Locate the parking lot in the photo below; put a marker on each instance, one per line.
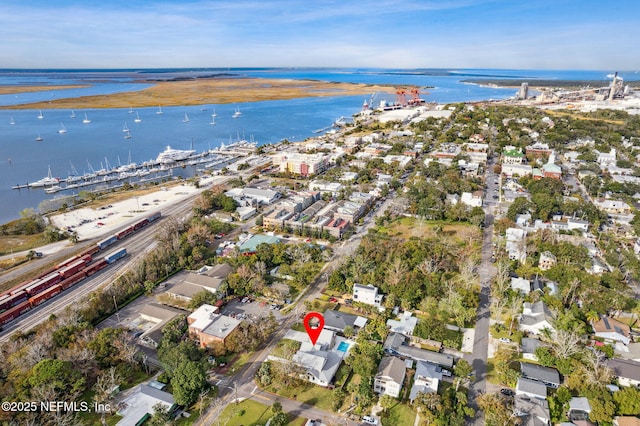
(251, 309)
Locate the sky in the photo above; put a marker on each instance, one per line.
(508, 34)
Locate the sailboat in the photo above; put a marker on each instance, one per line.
(213, 120)
(73, 114)
(186, 118)
(214, 113)
(39, 138)
(40, 116)
(125, 128)
(127, 135)
(159, 111)
(86, 119)
(12, 121)
(237, 113)
(62, 129)
(49, 180)
(137, 119)
(131, 110)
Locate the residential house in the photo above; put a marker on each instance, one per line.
(626, 421)
(405, 324)
(512, 170)
(531, 411)
(547, 260)
(396, 345)
(605, 159)
(520, 284)
(337, 321)
(613, 206)
(538, 150)
(516, 247)
(550, 169)
(250, 196)
(367, 294)
(528, 348)
(159, 316)
(390, 376)
(547, 375)
(612, 330)
(472, 199)
(209, 327)
(627, 371)
(597, 266)
(535, 318)
(531, 388)
(579, 409)
(320, 365)
(512, 155)
(139, 405)
(426, 379)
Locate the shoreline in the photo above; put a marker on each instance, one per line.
(207, 91)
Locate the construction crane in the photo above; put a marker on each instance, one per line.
(401, 96)
(415, 97)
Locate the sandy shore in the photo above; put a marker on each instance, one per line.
(209, 91)
(12, 90)
(91, 223)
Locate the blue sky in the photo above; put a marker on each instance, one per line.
(515, 34)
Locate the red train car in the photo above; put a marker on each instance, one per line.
(91, 250)
(67, 262)
(95, 267)
(43, 283)
(124, 233)
(12, 300)
(144, 222)
(45, 295)
(14, 312)
(72, 280)
(17, 289)
(72, 268)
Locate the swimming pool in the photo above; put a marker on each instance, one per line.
(343, 347)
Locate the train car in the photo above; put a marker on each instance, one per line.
(118, 254)
(124, 233)
(14, 312)
(73, 280)
(144, 222)
(91, 251)
(13, 300)
(95, 267)
(88, 257)
(66, 262)
(21, 287)
(72, 268)
(45, 295)
(106, 242)
(43, 284)
(154, 217)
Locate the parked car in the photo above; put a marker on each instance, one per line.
(370, 420)
(333, 300)
(504, 340)
(507, 392)
(446, 373)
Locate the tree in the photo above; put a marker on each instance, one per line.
(279, 419)
(276, 407)
(462, 371)
(160, 416)
(496, 413)
(628, 401)
(428, 405)
(188, 379)
(387, 401)
(59, 376)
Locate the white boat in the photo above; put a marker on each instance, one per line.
(159, 111)
(127, 135)
(214, 113)
(86, 119)
(12, 121)
(73, 114)
(40, 116)
(39, 138)
(137, 119)
(237, 113)
(62, 129)
(125, 128)
(53, 189)
(186, 118)
(46, 181)
(131, 110)
(170, 155)
(213, 119)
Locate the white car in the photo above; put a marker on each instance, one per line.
(370, 420)
(504, 340)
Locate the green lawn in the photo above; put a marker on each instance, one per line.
(250, 413)
(286, 348)
(399, 414)
(306, 393)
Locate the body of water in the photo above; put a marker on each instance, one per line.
(102, 142)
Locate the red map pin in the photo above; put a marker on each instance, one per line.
(314, 332)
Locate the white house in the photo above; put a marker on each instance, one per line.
(520, 284)
(471, 199)
(139, 404)
(367, 294)
(390, 376)
(426, 379)
(535, 318)
(627, 371)
(516, 247)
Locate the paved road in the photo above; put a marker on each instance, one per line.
(478, 358)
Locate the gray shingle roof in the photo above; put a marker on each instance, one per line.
(538, 372)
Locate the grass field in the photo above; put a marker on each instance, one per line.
(212, 91)
(251, 413)
(399, 414)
